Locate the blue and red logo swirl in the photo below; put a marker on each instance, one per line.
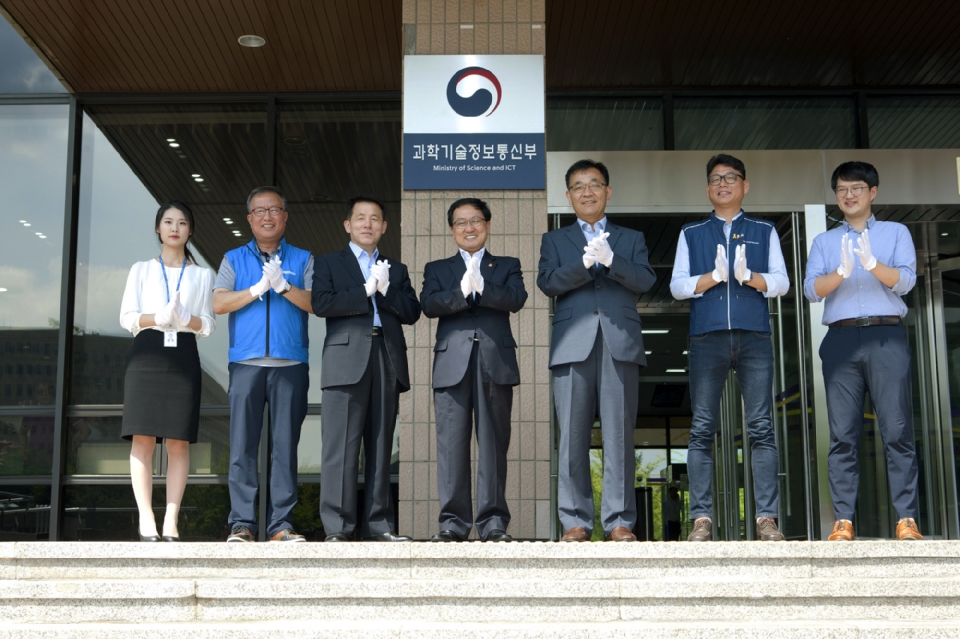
(477, 104)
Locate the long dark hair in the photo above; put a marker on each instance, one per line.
(180, 206)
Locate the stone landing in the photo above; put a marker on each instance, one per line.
(530, 589)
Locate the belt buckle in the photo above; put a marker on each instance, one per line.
(864, 321)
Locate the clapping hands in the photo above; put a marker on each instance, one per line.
(472, 280)
(598, 251)
(379, 279)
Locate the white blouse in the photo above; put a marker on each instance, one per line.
(145, 294)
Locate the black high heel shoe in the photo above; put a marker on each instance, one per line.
(170, 538)
(150, 538)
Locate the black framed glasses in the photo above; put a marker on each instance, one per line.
(727, 178)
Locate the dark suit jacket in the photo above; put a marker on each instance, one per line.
(592, 298)
(339, 296)
(488, 316)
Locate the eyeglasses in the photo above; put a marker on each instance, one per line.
(473, 221)
(728, 178)
(855, 191)
(593, 187)
(262, 212)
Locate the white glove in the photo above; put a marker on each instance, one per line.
(846, 257)
(370, 286)
(721, 269)
(864, 253)
(600, 250)
(180, 312)
(476, 278)
(273, 271)
(589, 259)
(261, 287)
(466, 283)
(164, 316)
(382, 270)
(740, 269)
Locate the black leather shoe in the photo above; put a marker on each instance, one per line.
(388, 536)
(498, 535)
(337, 537)
(446, 535)
(150, 538)
(170, 538)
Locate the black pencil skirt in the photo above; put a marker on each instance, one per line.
(161, 390)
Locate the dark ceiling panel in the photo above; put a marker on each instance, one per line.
(191, 45)
(609, 44)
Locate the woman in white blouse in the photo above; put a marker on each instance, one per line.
(167, 303)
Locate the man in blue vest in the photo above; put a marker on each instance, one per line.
(264, 285)
(727, 266)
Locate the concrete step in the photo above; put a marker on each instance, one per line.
(806, 629)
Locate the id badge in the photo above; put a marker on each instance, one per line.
(170, 339)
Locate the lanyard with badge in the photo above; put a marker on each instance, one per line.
(170, 336)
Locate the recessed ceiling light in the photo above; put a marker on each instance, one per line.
(26, 223)
(171, 139)
(252, 41)
(198, 179)
(655, 331)
(293, 140)
(676, 370)
(43, 237)
(23, 221)
(648, 352)
(3, 290)
(686, 353)
(38, 233)
(944, 234)
(229, 222)
(227, 219)
(174, 144)
(195, 175)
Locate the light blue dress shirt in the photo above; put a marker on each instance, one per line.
(366, 261)
(683, 285)
(862, 294)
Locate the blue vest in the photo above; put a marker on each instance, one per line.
(273, 326)
(729, 305)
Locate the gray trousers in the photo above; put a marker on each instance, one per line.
(476, 401)
(367, 412)
(578, 389)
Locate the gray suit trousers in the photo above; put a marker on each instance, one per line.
(477, 399)
(579, 388)
(364, 411)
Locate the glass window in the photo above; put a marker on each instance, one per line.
(914, 123)
(627, 124)
(25, 513)
(22, 70)
(33, 171)
(135, 157)
(764, 123)
(26, 444)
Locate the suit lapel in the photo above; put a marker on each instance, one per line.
(615, 233)
(488, 265)
(457, 267)
(575, 234)
(351, 264)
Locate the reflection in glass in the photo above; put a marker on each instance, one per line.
(22, 70)
(25, 513)
(605, 125)
(764, 123)
(914, 123)
(135, 156)
(26, 444)
(33, 158)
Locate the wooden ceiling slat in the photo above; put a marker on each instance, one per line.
(359, 56)
(212, 61)
(119, 37)
(250, 62)
(309, 60)
(171, 44)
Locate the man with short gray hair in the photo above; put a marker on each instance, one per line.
(263, 285)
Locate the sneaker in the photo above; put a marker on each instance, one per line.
(287, 534)
(240, 533)
(767, 530)
(842, 531)
(702, 530)
(907, 530)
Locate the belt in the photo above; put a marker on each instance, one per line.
(376, 332)
(884, 320)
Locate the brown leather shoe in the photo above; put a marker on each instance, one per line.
(767, 530)
(907, 530)
(576, 534)
(842, 531)
(702, 530)
(621, 533)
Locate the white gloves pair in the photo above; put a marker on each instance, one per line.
(863, 251)
(472, 280)
(272, 278)
(598, 251)
(379, 279)
(174, 310)
(721, 271)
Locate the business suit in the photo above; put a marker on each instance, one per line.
(474, 372)
(596, 351)
(362, 377)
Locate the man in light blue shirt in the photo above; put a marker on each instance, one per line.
(861, 269)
